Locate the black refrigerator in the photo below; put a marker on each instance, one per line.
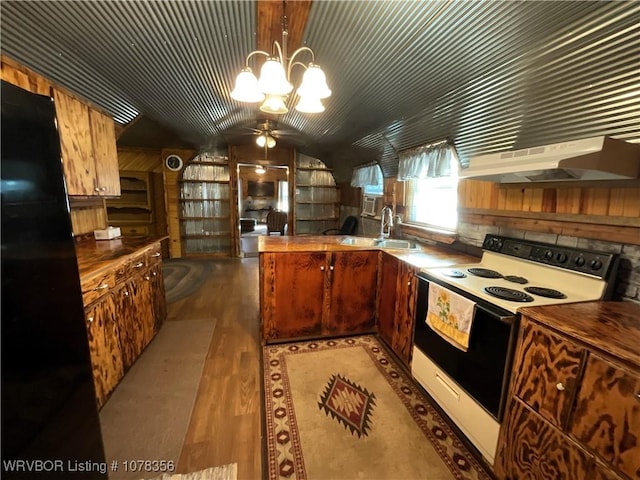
(50, 423)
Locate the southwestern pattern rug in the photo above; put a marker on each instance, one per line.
(343, 409)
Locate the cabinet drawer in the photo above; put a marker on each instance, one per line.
(131, 266)
(154, 254)
(546, 374)
(135, 230)
(607, 414)
(96, 286)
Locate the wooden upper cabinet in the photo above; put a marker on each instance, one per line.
(88, 144)
(76, 145)
(546, 372)
(103, 137)
(607, 414)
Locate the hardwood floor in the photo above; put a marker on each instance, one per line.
(226, 423)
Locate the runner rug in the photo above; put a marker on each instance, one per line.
(342, 409)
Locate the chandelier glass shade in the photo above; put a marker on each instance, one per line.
(274, 85)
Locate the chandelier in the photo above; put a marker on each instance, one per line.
(274, 85)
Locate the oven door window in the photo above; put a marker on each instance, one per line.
(482, 371)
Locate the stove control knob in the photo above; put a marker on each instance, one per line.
(561, 257)
(548, 254)
(579, 261)
(595, 264)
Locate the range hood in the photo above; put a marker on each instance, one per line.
(597, 158)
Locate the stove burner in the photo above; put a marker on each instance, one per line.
(516, 279)
(545, 292)
(454, 274)
(484, 272)
(508, 294)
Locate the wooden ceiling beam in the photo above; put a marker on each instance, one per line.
(269, 28)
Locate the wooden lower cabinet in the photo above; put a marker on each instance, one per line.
(316, 294)
(123, 320)
(396, 305)
(104, 344)
(572, 413)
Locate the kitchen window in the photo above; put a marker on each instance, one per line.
(430, 173)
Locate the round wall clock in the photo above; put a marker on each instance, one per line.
(173, 162)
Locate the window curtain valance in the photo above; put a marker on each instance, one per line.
(367, 175)
(427, 161)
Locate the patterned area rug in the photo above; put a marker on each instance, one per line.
(224, 472)
(183, 277)
(342, 409)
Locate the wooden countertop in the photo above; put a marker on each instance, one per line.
(424, 256)
(611, 327)
(94, 255)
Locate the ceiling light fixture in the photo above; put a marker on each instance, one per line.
(265, 138)
(274, 85)
(260, 170)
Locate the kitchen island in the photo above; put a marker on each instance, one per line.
(316, 286)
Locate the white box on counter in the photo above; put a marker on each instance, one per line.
(107, 234)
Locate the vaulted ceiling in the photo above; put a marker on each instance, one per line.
(489, 75)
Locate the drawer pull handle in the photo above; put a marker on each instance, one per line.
(90, 319)
(101, 287)
(154, 274)
(126, 293)
(560, 387)
(331, 268)
(157, 254)
(322, 268)
(409, 283)
(147, 277)
(139, 265)
(97, 189)
(446, 385)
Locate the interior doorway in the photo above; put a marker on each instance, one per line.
(261, 190)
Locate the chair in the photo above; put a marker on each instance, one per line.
(276, 221)
(349, 227)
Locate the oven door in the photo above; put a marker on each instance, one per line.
(483, 370)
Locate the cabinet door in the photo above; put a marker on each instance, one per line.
(105, 153)
(545, 375)
(405, 312)
(389, 267)
(104, 345)
(607, 414)
(292, 293)
(127, 318)
(533, 449)
(75, 141)
(158, 296)
(352, 293)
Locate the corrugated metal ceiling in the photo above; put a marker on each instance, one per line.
(488, 75)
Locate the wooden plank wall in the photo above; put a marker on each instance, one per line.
(140, 159)
(599, 210)
(171, 195)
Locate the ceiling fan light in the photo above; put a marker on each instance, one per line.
(274, 104)
(310, 105)
(273, 79)
(314, 83)
(246, 89)
(261, 140)
(271, 142)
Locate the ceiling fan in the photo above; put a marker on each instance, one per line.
(266, 133)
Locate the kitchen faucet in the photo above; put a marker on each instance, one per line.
(386, 222)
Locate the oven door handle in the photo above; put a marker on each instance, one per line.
(508, 319)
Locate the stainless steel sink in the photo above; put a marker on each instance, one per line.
(377, 242)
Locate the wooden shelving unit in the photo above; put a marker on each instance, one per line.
(205, 214)
(133, 210)
(317, 206)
